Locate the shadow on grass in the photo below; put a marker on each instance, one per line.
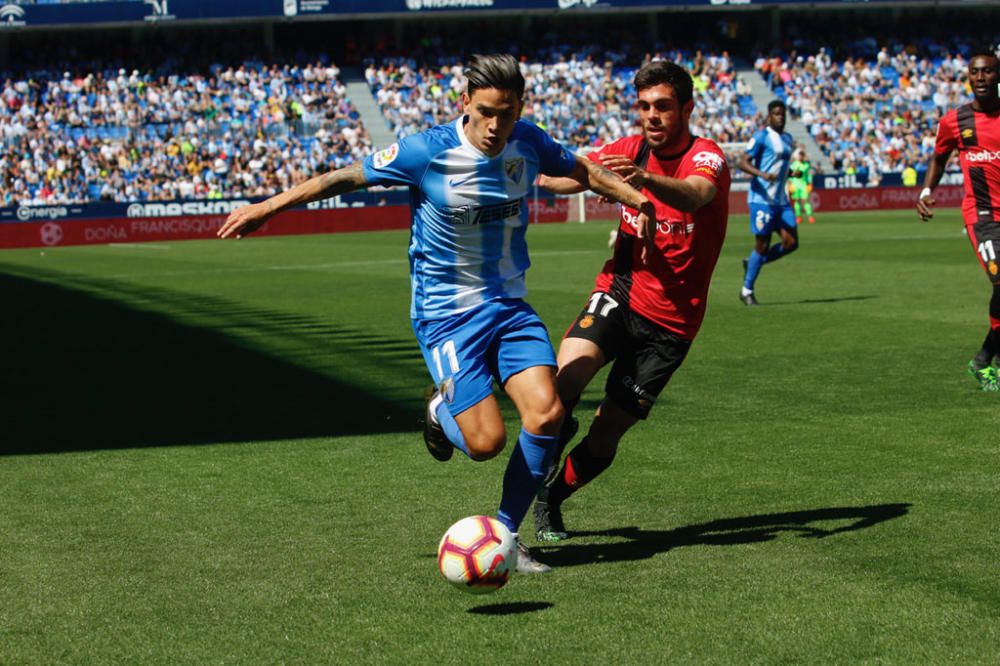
(807, 301)
(103, 365)
(642, 544)
(511, 608)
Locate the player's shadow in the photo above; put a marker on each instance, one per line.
(810, 301)
(105, 364)
(641, 544)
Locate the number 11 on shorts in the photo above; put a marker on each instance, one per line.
(448, 351)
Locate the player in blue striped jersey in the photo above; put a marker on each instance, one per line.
(767, 158)
(468, 181)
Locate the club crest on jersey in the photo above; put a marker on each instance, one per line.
(384, 158)
(514, 168)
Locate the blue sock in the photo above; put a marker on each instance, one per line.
(524, 476)
(777, 251)
(451, 429)
(754, 265)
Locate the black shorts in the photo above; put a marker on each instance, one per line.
(645, 354)
(985, 237)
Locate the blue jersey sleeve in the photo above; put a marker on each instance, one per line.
(402, 163)
(554, 159)
(756, 146)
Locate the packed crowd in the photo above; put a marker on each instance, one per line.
(180, 131)
(246, 130)
(870, 116)
(574, 93)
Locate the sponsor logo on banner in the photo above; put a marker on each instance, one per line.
(50, 233)
(186, 208)
(161, 11)
(307, 6)
(291, 7)
(418, 5)
(569, 4)
(12, 15)
(27, 214)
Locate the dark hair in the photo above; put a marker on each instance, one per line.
(775, 104)
(984, 52)
(668, 73)
(496, 70)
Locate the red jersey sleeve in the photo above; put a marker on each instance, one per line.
(628, 145)
(947, 135)
(707, 161)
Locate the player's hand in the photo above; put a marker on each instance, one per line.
(770, 177)
(246, 220)
(646, 230)
(626, 169)
(924, 205)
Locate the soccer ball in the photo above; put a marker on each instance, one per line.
(477, 554)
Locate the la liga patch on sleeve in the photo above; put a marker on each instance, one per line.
(385, 157)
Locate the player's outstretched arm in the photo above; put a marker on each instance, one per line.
(248, 219)
(608, 184)
(560, 185)
(685, 194)
(926, 200)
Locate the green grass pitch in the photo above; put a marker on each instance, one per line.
(210, 453)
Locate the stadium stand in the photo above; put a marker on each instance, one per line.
(243, 130)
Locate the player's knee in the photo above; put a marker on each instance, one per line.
(486, 444)
(790, 245)
(546, 419)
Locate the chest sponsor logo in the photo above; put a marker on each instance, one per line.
(472, 215)
(983, 156)
(514, 168)
(384, 158)
(670, 227)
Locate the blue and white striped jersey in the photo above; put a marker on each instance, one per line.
(770, 152)
(470, 214)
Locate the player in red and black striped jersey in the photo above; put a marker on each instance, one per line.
(974, 131)
(649, 300)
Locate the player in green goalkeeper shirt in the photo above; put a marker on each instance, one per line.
(800, 179)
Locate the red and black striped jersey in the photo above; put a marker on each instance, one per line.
(671, 289)
(976, 136)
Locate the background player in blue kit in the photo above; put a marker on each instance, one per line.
(468, 181)
(766, 159)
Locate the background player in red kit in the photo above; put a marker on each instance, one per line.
(974, 130)
(649, 300)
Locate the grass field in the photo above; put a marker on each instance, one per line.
(210, 454)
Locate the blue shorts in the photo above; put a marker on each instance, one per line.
(468, 351)
(765, 220)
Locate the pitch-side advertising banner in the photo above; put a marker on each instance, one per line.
(13, 16)
(50, 226)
